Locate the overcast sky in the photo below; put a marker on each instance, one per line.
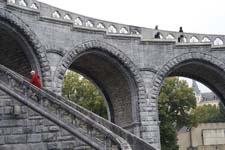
(199, 16)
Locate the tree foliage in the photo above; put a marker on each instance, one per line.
(79, 90)
(168, 136)
(208, 114)
(176, 100)
(177, 108)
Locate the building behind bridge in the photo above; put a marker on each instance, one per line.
(206, 136)
(204, 98)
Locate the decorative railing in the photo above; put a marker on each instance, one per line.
(79, 21)
(134, 141)
(25, 4)
(215, 40)
(62, 114)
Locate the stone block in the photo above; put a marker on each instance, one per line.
(24, 109)
(17, 130)
(5, 147)
(45, 129)
(5, 102)
(39, 129)
(20, 147)
(53, 128)
(1, 110)
(29, 129)
(38, 146)
(47, 122)
(6, 131)
(16, 110)
(65, 138)
(34, 138)
(65, 133)
(31, 112)
(68, 145)
(150, 134)
(34, 122)
(38, 117)
(54, 146)
(2, 140)
(49, 137)
(8, 110)
(12, 123)
(15, 139)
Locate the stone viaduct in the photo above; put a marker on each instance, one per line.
(125, 62)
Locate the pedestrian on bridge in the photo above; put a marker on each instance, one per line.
(157, 35)
(35, 79)
(181, 37)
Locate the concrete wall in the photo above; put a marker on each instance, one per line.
(215, 131)
(183, 140)
(218, 147)
(197, 133)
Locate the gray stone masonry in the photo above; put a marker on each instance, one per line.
(28, 130)
(125, 62)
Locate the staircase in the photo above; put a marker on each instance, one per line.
(94, 131)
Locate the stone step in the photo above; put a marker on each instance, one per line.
(4, 97)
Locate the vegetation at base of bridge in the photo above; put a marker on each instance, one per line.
(177, 105)
(177, 108)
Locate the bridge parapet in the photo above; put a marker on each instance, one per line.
(30, 5)
(77, 21)
(48, 12)
(215, 40)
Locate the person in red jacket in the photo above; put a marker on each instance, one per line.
(35, 79)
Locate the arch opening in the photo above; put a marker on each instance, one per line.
(185, 108)
(15, 51)
(86, 93)
(210, 75)
(113, 80)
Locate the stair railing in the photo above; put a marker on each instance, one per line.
(64, 115)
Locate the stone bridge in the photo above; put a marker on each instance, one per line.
(125, 62)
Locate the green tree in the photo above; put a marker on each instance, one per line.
(176, 100)
(168, 136)
(79, 90)
(207, 114)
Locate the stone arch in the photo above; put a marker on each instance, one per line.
(210, 64)
(33, 41)
(102, 48)
(56, 51)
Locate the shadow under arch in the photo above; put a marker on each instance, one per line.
(24, 43)
(113, 73)
(202, 67)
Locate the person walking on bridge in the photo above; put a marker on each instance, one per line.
(181, 37)
(35, 79)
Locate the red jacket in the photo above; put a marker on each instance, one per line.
(35, 80)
